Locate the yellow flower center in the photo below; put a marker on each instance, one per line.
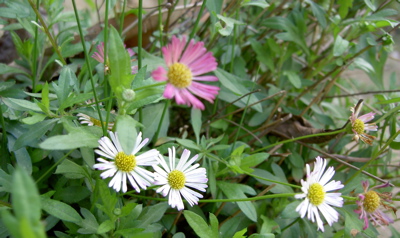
(176, 179)
(371, 201)
(358, 126)
(95, 121)
(316, 194)
(124, 162)
(179, 75)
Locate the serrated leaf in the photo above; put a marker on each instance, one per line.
(188, 144)
(65, 82)
(106, 226)
(60, 210)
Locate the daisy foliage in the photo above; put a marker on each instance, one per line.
(179, 180)
(124, 166)
(317, 194)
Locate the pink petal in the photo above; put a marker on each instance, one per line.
(130, 52)
(169, 91)
(191, 100)
(193, 52)
(367, 117)
(208, 92)
(159, 74)
(209, 78)
(176, 47)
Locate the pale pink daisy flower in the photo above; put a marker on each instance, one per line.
(359, 125)
(99, 56)
(183, 75)
(122, 166)
(369, 203)
(178, 179)
(316, 197)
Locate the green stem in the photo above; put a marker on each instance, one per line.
(150, 86)
(273, 181)
(280, 195)
(107, 91)
(140, 36)
(122, 17)
(104, 126)
(35, 55)
(374, 157)
(300, 138)
(167, 102)
(160, 25)
(396, 109)
(194, 29)
(56, 163)
(4, 141)
(46, 30)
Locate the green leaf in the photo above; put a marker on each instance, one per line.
(340, 46)
(214, 225)
(109, 200)
(293, 77)
(229, 24)
(60, 210)
(318, 12)
(119, 63)
(198, 225)
(21, 105)
(6, 85)
(258, 3)
(152, 214)
(5, 69)
(196, 122)
(290, 210)
(240, 234)
(76, 139)
(279, 188)
(35, 132)
(106, 226)
(127, 134)
(74, 99)
(344, 6)
(234, 87)
(71, 170)
(25, 197)
(89, 223)
(188, 144)
(151, 118)
(235, 191)
(253, 160)
(65, 82)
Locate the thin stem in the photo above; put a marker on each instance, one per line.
(106, 76)
(300, 138)
(122, 18)
(103, 125)
(374, 157)
(280, 195)
(46, 30)
(160, 25)
(35, 55)
(4, 141)
(56, 163)
(273, 181)
(140, 36)
(196, 24)
(161, 120)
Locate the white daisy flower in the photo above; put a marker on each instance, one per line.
(315, 195)
(90, 121)
(123, 166)
(176, 179)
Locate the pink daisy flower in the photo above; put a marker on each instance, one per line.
(369, 203)
(184, 70)
(359, 125)
(99, 56)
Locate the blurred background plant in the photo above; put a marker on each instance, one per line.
(286, 69)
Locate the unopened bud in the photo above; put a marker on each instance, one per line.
(128, 95)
